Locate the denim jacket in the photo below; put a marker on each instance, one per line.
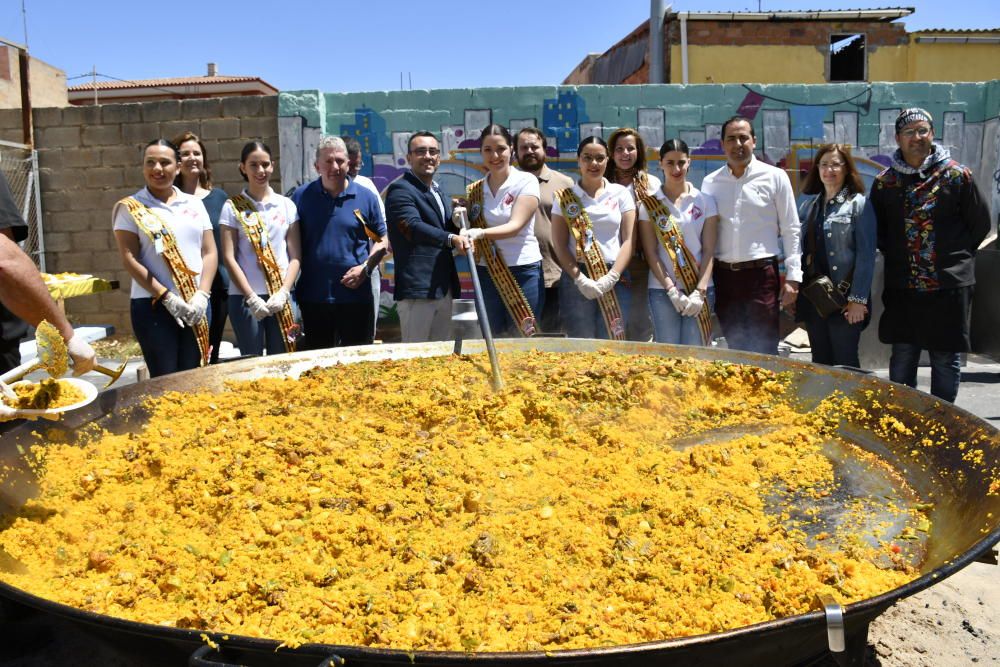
(849, 236)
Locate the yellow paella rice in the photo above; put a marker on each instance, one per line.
(403, 504)
(44, 395)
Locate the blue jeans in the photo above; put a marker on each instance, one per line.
(946, 369)
(532, 282)
(166, 347)
(582, 316)
(253, 336)
(669, 326)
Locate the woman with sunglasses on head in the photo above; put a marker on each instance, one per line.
(678, 226)
(165, 240)
(501, 212)
(194, 177)
(627, 167)
(838, 241)
(262, 248)
(592, 235)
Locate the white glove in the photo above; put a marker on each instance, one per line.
(474, 233)
(587, 287)
(456, 216)
(608, 281)
(199, 305)
(679, 300)
(177, 307)
(695, 302)
(257, 306)
(83, 355)
(6, 412)
(277, 301)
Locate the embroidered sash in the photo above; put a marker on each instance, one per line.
(583, 231)
(510, 292)
(685, 266)
(256, 232)
(153, 226)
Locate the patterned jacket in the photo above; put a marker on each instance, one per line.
(931, 220)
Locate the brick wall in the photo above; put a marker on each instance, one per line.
(90, 157)
(786, 33)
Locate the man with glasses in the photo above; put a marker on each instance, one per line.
(531, 145)
(931, 220)
(758, 223)
(423, 237)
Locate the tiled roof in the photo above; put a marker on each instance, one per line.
(164, 83)
(954, 31)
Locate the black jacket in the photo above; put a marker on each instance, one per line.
(422, 253)
(948, 219)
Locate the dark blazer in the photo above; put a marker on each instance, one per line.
(424, 266)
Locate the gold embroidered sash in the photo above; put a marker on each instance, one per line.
(153, 226)
(587, 248)
(510, 292)
(685, 266)
(256, 232)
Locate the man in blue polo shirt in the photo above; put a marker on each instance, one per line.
(337, 219)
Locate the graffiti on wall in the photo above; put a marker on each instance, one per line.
(790, 121)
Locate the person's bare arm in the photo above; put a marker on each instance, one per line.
(23, 291)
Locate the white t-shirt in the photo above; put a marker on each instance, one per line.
(277, 214)
(522, 248)
(185, 217)
(694, 208)
(654, 186)
(605, 215)
(366, 182)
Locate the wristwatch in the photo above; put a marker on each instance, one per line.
(367, 269)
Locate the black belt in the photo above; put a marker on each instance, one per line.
(752, 264)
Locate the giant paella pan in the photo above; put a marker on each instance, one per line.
(934, 462)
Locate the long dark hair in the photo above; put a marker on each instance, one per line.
(813, 184)
(496, 130)
(250, 147)
(592, 139)
(205, 177)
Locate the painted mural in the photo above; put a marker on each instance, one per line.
(790, 121)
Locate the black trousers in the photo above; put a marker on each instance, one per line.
(336, 324)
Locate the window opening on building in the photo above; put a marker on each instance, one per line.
(847, 58)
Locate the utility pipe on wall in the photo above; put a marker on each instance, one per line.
(684, 47)
(656, 13)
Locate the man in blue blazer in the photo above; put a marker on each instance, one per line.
(422, 238)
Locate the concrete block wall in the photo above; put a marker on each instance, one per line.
(91, 156)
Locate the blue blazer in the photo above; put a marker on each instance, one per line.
(422, 254)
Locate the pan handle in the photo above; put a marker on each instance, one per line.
(200, 659)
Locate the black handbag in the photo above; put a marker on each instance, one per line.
(819, 290)
(826, 297)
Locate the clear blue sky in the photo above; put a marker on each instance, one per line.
(364, 45)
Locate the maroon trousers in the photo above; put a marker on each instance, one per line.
(747, 302)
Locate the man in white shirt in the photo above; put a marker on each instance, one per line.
(758, 225)
(355, 160)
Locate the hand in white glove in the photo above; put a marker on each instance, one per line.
(277, 301)
(679, 300)
(6, 412)
(608, 281)
(587, 287)
(83, 355)
(177, 307)
(257, 306)
(474, 233)
(199, 306)
(457, 215)
(695, 302)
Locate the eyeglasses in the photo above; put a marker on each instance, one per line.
(831, 166)
(916, 131)
(594, 159)
(422, 151)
